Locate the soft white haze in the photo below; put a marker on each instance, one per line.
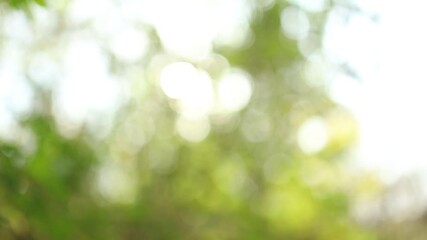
(386, 46)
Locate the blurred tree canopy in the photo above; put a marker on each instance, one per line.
(157, 174)
(23, 4)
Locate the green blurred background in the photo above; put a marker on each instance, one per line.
(176, 120)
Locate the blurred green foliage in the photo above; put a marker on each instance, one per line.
(224, 187)
(23, 4)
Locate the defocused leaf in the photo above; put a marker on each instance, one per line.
(41, 2)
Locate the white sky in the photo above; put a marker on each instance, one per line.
(389, 101)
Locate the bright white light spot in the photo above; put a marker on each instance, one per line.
(43, 69)
(234, 90)
(177, 28)
(312, 135)
(190, 86)
(6, 121)
(181, 35)
(393, 129)
(44, 20)
(176, 79)
(87, 86)
(16, 26)
(374, 6)
(199, 102)
(310, 5)
(109, 22)
(346, 91)
(235, 37)
(295, 23)
(232, 28)
(139, 10)
(193, 130)
(344, 39)
(129, 44)
(81, 11)
(15, 94)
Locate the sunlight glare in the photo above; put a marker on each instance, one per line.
(86, 86)
(389, 100)
(16, 26)
(43, 69)
(313, 135)
(129, 44)
(176, 79)
(81, 11)
(190, 86)
(234, 90)
(15, 93)
(295, 23)
(181, 35)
